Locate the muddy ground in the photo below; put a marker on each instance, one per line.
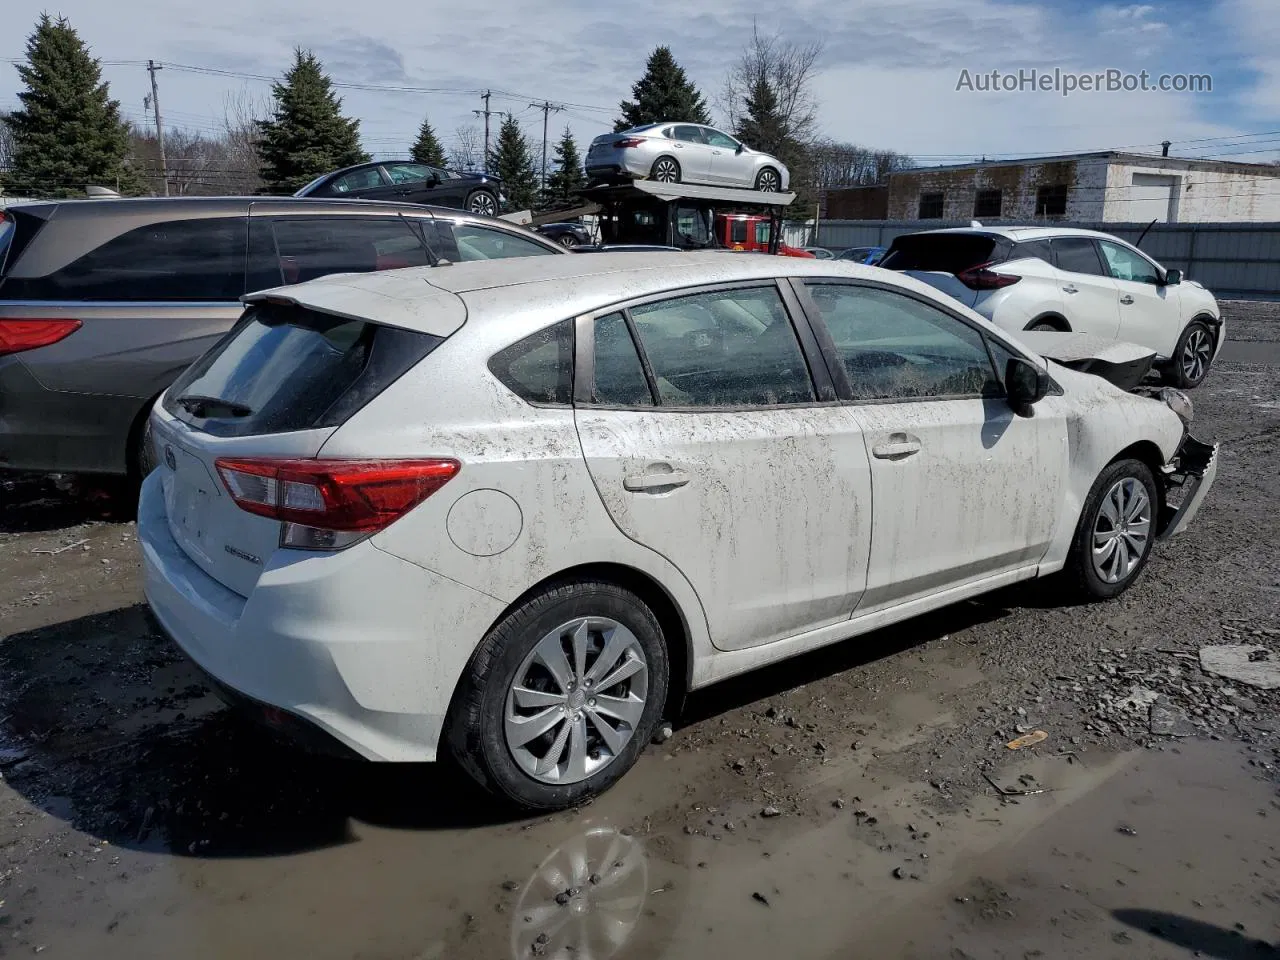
(853, 802)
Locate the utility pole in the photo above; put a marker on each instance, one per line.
(152, 67)
(546, 106)
(485, 113)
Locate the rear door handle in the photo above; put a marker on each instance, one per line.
(898, 447)
(1126, 299)
(655, 480)
(1070, 289)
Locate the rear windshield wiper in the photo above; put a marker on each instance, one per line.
(199, 406)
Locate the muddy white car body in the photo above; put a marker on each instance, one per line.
(750, 532)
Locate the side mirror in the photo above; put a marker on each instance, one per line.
(433, 180)
(1172, 278)
(741, 147)
(1025, 384)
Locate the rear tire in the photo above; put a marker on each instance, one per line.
(665, 170)
(1192, 356)
(1045, 325)
(539, 773)
(568, 240)
(1116, 531)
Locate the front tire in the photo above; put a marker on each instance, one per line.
(665, 170)
(568, 240)
(482, 202)
(1192, 356)
(1116, 532)
(561, 696)
(768, 180)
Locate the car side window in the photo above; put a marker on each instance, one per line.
(725, 348)
(357, 180)
(687, 133)
(539, 368)
(1124, 264)
(619, 376)
(895, 347)
(312, 247)
(177, 260)
(1033, 248)
(484, 243)
(1077, 255)
(717, 139)
(409, 172)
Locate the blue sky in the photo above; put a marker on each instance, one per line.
(887, 75)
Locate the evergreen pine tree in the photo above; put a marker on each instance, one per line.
(568, 177)
(762, 126)
(67, 134)
(663, 93)
(427, 148)
(511, 161)
(307, 135)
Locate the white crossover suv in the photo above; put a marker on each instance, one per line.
(1053, 278)
(513, 510)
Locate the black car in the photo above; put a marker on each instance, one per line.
(403, 181)
(566, 234)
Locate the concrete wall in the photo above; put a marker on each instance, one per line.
(1019, 184)
(1226, 194)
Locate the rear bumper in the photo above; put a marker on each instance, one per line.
(360, 645)
(618, 164)
(56, 431)
(1193, 469)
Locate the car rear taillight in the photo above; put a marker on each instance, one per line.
(982, 277)
(331, 504)
(19, 335)
(628, 142)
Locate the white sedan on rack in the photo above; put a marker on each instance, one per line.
(513, 510)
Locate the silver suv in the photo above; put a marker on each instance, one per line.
(104, 302)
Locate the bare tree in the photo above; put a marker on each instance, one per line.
(467, 152)
(788, 69)
(241, 112)
(6, 142)
(836, 164)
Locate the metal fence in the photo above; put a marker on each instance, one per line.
(1237, 261)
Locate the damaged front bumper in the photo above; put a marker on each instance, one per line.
(1192, 470)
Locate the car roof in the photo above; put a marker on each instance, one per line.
(1021, 233)
(545, 289)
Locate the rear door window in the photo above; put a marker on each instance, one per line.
(285, 368)
(179, 260)
(941, 252)
(365, 179)
(1077, 255)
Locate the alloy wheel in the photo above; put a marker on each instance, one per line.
(768, 181)
(1196, 355)
(483, 203)
(576, 700)
(1121, 530)
(666, 170)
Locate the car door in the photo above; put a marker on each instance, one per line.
(728, 166)
(691, 150)
(418, 183)
(363, 183)
(1090, 297)
(716, 448)
(962, 489)
(1150, 312)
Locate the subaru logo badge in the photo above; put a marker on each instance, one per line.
(170, 460)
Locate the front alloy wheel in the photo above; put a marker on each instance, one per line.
(1197, 351)
(576, 700)
(484, 203)
(1121, 530)
(768, 181)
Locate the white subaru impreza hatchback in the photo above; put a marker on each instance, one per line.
(514, 509)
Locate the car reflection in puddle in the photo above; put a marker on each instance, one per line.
(584, 900)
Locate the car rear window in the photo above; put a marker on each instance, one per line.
(285, 368)
(943, 252)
